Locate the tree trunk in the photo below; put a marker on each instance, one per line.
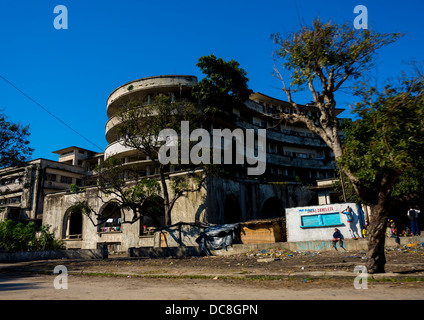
(377, 237)
(165, 197)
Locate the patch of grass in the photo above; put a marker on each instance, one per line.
(400, 279)
(147, 275)
(151, 275)
(105, 274)
(265, 278)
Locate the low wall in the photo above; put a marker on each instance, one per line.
(317, 245)
(178, 252)
(181, 252)
(10, 257)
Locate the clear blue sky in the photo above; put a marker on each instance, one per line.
(108, 43)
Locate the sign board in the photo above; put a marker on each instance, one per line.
(318, 222)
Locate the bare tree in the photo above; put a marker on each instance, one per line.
(325, 58)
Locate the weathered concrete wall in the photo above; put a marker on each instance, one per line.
(191, 207)
(56, 206)
(207, 205)
(315, 246)
(178, 252)
(188, 208)
(31, 186)
(11, 257)
(154, 83)
(251, 196)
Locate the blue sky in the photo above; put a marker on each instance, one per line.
(108, 43)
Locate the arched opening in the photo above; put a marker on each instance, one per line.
(232, 209)
(154, 215)
(110, 218)
(272, 208)
(72, 223)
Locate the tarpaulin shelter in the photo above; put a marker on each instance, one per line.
(218, 237)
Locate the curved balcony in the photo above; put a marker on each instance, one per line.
(111, 129)
(287, 161)
(113, 123)
(141, 88)
(118, 148)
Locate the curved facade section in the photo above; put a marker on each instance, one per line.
(141, 89)
(112, 129)
(118, 148)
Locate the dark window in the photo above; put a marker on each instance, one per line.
(50, 177)
(64, 179)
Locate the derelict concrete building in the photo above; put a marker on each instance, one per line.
(295, 157)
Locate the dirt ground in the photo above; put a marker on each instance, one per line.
(267, 274)
(404, 260)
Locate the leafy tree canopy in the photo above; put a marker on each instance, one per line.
(385, 147)
(224, 86)
(14, 143)
(329, 52)
(27, 237)
(324, 58)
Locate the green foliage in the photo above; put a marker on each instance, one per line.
(109, 175)
(80, 207)
(143, 190)
(386, 145)
(127, 190)
(14, 143)
(27, 237)
(325, 58)
(329, 52)
(224, 86)
(351, 195)
(73, 188)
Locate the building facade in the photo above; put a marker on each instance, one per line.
(295, 159)
(23, 189)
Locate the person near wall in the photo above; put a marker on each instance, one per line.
(365, 231)
(392, 231)
(337, 237)
(413, 218)
(350, 220)
(417, 213)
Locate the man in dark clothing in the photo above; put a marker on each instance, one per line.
(337, 236)
(413, 218)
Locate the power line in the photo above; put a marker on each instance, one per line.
(58, 119)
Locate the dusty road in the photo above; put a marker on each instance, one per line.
(41, 287)
(269, 275)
